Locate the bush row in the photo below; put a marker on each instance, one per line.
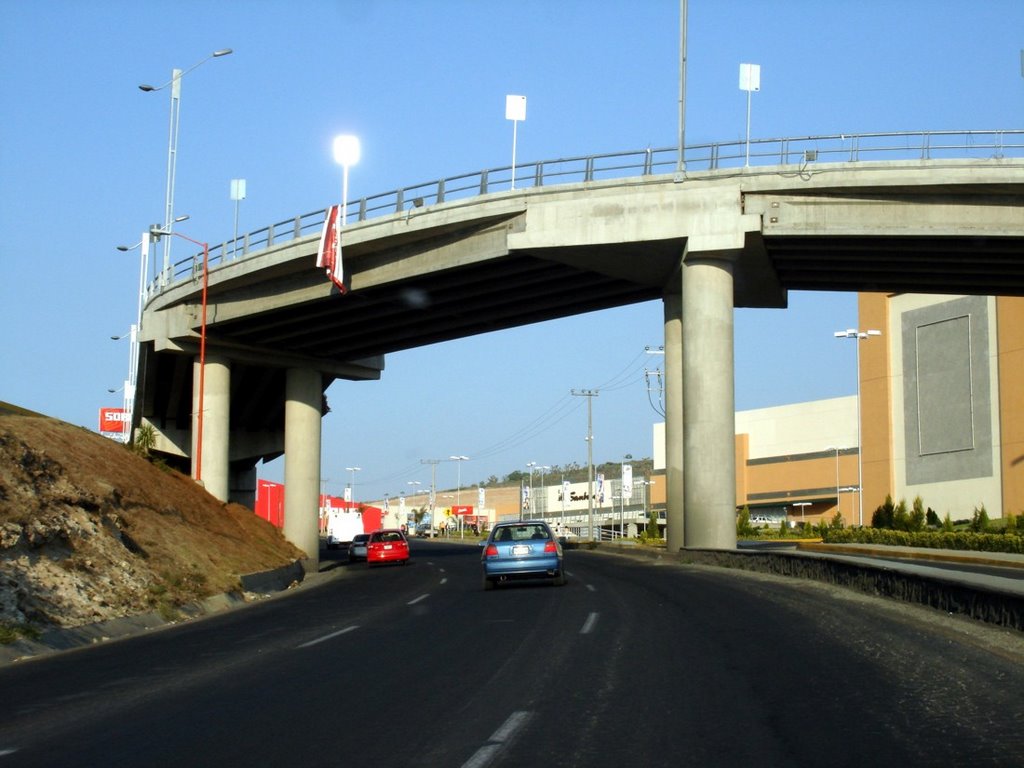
(969, 540)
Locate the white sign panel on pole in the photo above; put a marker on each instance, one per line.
(750, 77)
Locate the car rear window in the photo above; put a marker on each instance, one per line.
(521, 533)
(388, 536)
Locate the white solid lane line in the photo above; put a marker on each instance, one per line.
(416, 600)
(498, 739)
(588, 625)
(328, 637)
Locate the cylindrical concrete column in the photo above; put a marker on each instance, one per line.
(674, 516)
(302, 416)
(709, 419)
(213, 387)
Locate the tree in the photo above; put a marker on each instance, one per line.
(932, 518)
(917, 515)
(883, 516)
(947, 524)
(900, 517)
(743, 526)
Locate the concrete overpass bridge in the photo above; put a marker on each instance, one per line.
(925, 212)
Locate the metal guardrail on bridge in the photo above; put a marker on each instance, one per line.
(800, 152)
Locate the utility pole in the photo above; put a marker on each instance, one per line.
(433, 484)
(590, 394)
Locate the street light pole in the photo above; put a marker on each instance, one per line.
(590, 394)
(458, 487)
(858, 336)
(352, 485)
(172, 149)
(156, 234)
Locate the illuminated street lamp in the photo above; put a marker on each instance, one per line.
(858, 336)
(346, 154)
(172, 146)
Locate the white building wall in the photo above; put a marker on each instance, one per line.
(785, 430)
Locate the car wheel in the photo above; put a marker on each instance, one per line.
(488, 584)
(560, 579)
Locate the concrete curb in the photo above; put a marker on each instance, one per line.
(65, 639)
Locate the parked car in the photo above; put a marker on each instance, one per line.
(387, 546)
(522, 550)
(357, 549)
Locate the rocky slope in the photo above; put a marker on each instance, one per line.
(90, 531)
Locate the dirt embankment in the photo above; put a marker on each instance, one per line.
(90, 531)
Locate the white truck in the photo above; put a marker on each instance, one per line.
(342, 526)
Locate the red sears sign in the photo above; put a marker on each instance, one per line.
(112, 419)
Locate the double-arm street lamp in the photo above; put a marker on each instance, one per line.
(172, 147)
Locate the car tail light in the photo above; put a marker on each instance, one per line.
(551, 547)
(491, 551)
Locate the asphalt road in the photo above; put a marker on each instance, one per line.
(633, 663)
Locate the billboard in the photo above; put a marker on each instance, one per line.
(113, 419)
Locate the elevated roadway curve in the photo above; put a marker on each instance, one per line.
(278, 332)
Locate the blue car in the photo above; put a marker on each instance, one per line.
(523, 550)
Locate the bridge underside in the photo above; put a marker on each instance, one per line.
(461, 270)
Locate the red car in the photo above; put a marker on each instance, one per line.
(387, 546)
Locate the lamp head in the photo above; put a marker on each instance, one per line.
(346, 150)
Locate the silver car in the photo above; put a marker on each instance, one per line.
(357, 549)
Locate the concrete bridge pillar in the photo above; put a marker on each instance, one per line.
(302, 418)
(709, 424)
(674, 528)
(216, 409)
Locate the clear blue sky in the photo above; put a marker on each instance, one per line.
(423, 83)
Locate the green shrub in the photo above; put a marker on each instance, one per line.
(883, 515)
(947, 524)
(966, 540)
(917, 515)
(743, 526)
(979, 520)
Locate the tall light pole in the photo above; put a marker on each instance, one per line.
(156, 234)
(515, 110)
(531, 465)
(542, 468)
(136, 329)
(458, 491)
(352, 485)
(750, 81)
(458, 488)
(172, 148)
(681, 159)
(590, 394)
(858, 336)
(346, 154)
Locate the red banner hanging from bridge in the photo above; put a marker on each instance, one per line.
(328, 257)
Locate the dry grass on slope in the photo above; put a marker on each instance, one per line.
(91, 531)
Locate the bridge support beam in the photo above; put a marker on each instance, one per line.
(302, 417)
(674, 517)
(216, 471)
(709, 423)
